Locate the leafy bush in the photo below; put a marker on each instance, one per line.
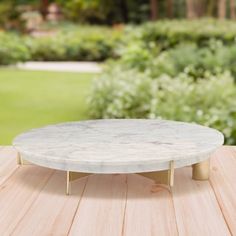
(169, 33)
(129, 94)
(72, 44)
(135, 55)
(12, 49)
(196, 62)
(86, 44)
(119, 94)
(188, 58)
(180, 43)
(106, 11)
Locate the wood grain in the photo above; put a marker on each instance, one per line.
(101, 210)
(8, 163)
(149, 209)
(223, 181)
(53, 211)
(196, 208)
(18, 193)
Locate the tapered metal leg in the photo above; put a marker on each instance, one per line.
(71, 176)
(67, 182)
(162, 177)
(201, 170)
(19, 159)
(171, 173)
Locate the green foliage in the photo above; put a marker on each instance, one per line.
(106, 11)
(205, 43)
(86, 11)
(203, 102)
(73, 44)
(12, 49)
(135, 55)
(129, 94)
(195, 61)
(5, 9)
(81, 43)
(168, 33)
(119, 94)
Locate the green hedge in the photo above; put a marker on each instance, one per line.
(93, 43)
(171, 32)
(13, 49)
(130, 94)
(76, 44)
(188, 58)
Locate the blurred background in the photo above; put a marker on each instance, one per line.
(165, 59)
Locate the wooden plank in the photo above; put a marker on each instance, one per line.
(149, 209)
(8, 163)
(102, 207)
(18, 193)
(223, 181)
(196, 208)
(53, 211)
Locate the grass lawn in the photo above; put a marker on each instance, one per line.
(31, 99)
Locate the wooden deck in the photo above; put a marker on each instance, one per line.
(33, 202)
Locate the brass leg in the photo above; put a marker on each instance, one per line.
(171, 172)
(67, 182)
(71, 176)
(201, 170)
(19, 159)
(162, 177)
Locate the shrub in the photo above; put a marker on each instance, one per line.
(119, 94)
(196, 62)
(188, 58)
(77, 44)
(201, 101)
(47, 49)
(68, 44)
(12, 49)
(135, 55)
(183, 42)
(169, 33)
(106, 11)
(129, 94)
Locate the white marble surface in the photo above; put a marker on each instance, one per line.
(118, 146)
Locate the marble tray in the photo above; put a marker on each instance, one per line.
(118, 145)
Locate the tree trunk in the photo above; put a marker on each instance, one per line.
(200, 6)
(124, 11)
(232, 9)
(196, 8)
(221, 9)
(44, 7)
(154, 9)
(191, 12)
(170, 8)
(210, 8)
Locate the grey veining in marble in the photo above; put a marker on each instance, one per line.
(118, 146)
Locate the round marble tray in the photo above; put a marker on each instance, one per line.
(118, 145)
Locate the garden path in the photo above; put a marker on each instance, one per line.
(81, 67)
